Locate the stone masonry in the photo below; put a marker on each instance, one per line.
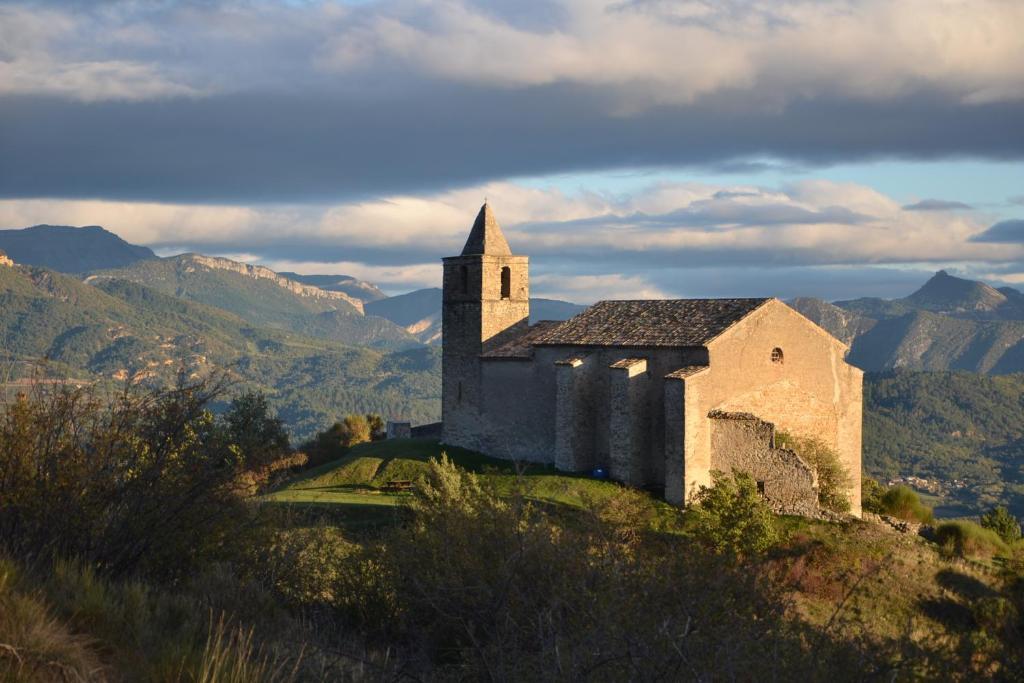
(659, 393)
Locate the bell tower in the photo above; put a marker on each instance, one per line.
(485, 302)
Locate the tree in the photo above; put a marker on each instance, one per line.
(147, 483)
(259, 436)
(376, 424)
(871, 495)
(732, 518)
(833, 479)
(999, 520)
(355, 429)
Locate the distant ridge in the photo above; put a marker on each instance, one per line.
(946, 293)
(71, 250)
(419, 312)
(346, 284)
(949, 323)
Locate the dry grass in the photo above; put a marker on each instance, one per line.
(35, 645)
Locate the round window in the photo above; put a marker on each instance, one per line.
(776, 355)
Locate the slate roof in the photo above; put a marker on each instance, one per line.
(650, 323)
(486, 236)
(522, 346)
(685, 371)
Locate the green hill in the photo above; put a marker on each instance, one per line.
(71, 250)
(962, 432)
(265, 299)
(362, 477)
(114, 331)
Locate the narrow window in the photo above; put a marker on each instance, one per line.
(760, 488)
(776, 355)
(464, 279)
(506, 283)
(458, 398)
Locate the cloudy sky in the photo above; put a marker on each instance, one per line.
(632, 148)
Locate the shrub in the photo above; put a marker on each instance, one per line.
(259, 436)
(871, 495)
(904, 503)
(731, 517)
(332, 443)
(355, 429)
(306, 562)
(492, 587)
(833, 479)
(999, 520)
(149, 482)
(376, 425)
(961, 538)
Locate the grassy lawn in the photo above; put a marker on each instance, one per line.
(358, 479)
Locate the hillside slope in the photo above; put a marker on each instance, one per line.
(264, 298)
(116, 330)
(961, 431)
(346, 284)
(948, 324)
(419, 312)
(71, 250)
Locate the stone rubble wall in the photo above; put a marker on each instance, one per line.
(741, 442)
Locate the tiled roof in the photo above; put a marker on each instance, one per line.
(522, 346)
(685, 371)
(627, 363)
(651, 323)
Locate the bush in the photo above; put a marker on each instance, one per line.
(491, 587)
(904, 503)
(833, 479)
(376, 424)
(1000, 520)
(732, 518)
(148, 483)
(333, 442)
(871, 495)
(966, 539)
(259, 436)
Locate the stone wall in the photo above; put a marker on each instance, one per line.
(629, 433)
(475, 318)
(809, 392)
(561, 407)
(740, 442)
(586, 407)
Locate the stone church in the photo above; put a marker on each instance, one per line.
(659, 393)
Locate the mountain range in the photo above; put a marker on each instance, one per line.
(71, 250)
(950, 323)
(321, 346)
(83, 303)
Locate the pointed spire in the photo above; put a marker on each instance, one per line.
(486, 236)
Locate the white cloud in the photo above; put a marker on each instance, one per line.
(389, 278)
(807, 223)
(639, 52)
(678, 51)
(590, 288)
